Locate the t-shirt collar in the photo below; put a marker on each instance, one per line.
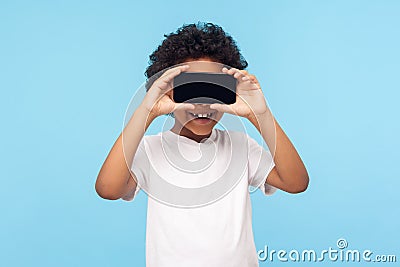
(171, 136)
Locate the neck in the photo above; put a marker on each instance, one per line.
(183, 131)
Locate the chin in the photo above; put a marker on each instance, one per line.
(200, 130)
(199, 123)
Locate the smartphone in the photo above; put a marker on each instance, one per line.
(204, 88)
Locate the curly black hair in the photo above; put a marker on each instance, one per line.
(194, 41)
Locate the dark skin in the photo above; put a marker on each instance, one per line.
(289, 173)
(115, 179)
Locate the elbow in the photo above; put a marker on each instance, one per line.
(300, 186)
(104, 192)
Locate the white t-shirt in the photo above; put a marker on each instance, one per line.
(218, 233)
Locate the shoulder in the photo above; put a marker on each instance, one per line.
(150, 140)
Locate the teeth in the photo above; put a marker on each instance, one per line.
(205, 115)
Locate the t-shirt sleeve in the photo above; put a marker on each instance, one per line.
(139, 169)
(260, 164)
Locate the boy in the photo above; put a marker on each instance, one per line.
(220, 232)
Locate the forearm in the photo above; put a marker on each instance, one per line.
(114, 173)
(288, 163)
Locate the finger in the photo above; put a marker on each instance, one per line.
(246, 73)
(245, 78)
(238, 74)
(231, 71)
(242, 76)
(251, 78)
(167, 76)
(170, 93)
(249, 85)
(174, 70)
(164, 82)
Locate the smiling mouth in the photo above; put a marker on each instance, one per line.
(202, 118)
(201, 115)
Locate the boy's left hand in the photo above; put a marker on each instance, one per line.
(250, 101)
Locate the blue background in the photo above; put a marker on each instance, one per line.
(330, 73)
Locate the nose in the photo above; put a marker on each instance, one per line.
(202, 108)
(202, 105)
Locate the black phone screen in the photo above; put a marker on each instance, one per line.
(204, 88)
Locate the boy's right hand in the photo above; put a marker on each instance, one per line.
(158, 100)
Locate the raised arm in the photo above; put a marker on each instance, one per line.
(289, 173)
(115, 179)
